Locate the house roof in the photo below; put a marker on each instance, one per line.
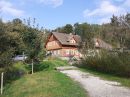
(64, 38)
(102, 44)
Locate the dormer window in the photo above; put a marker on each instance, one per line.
(72, 41)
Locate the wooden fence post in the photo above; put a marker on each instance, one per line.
(2, 74)
(32, 66)
(23, 57)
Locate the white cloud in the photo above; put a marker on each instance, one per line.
(8, 9)
(104, 20)
(104, 11)
(126, 3)
(53, 3)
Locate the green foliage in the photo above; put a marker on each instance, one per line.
(110, 63)
(17, 21)
(15, 72)
(114, 21)
(128, 42)
(32, 42)
(5, 58)
(6, 49)
(68, 28)
(47, 65)
(84, 30)
(16, 38)
(39, 66)
(21, 66)
(117, 32)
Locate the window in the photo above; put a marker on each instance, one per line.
(72, 41)
(72, 52)
(58, 52)
(67, 52)
(77, 52)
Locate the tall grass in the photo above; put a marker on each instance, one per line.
(116, 64)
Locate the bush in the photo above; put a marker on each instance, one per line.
(39, 66)
(50, 64)
(14, 72)
(117, 64)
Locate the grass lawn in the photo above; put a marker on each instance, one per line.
(123, 81)
(45, 83)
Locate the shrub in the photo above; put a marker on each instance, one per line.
(47, 65)
(14, 72)
(38, 66)
(117, 64)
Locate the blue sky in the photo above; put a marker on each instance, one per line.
(55, 13)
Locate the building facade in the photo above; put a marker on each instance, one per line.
(63, 45)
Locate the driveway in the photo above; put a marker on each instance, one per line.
(95, 86)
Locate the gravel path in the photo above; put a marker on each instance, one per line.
(97, 87)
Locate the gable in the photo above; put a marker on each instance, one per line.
(52, 42)
(52, 38)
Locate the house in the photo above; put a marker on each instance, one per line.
(63, 45)
(100, 44)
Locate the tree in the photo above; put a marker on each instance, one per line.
(114, 21)
(121, 29)
(68, 28)
(128, 18)
(16, 38)
(32, 42)
(17, 21)
(77, 29)
(6, 50)
(86, 32)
